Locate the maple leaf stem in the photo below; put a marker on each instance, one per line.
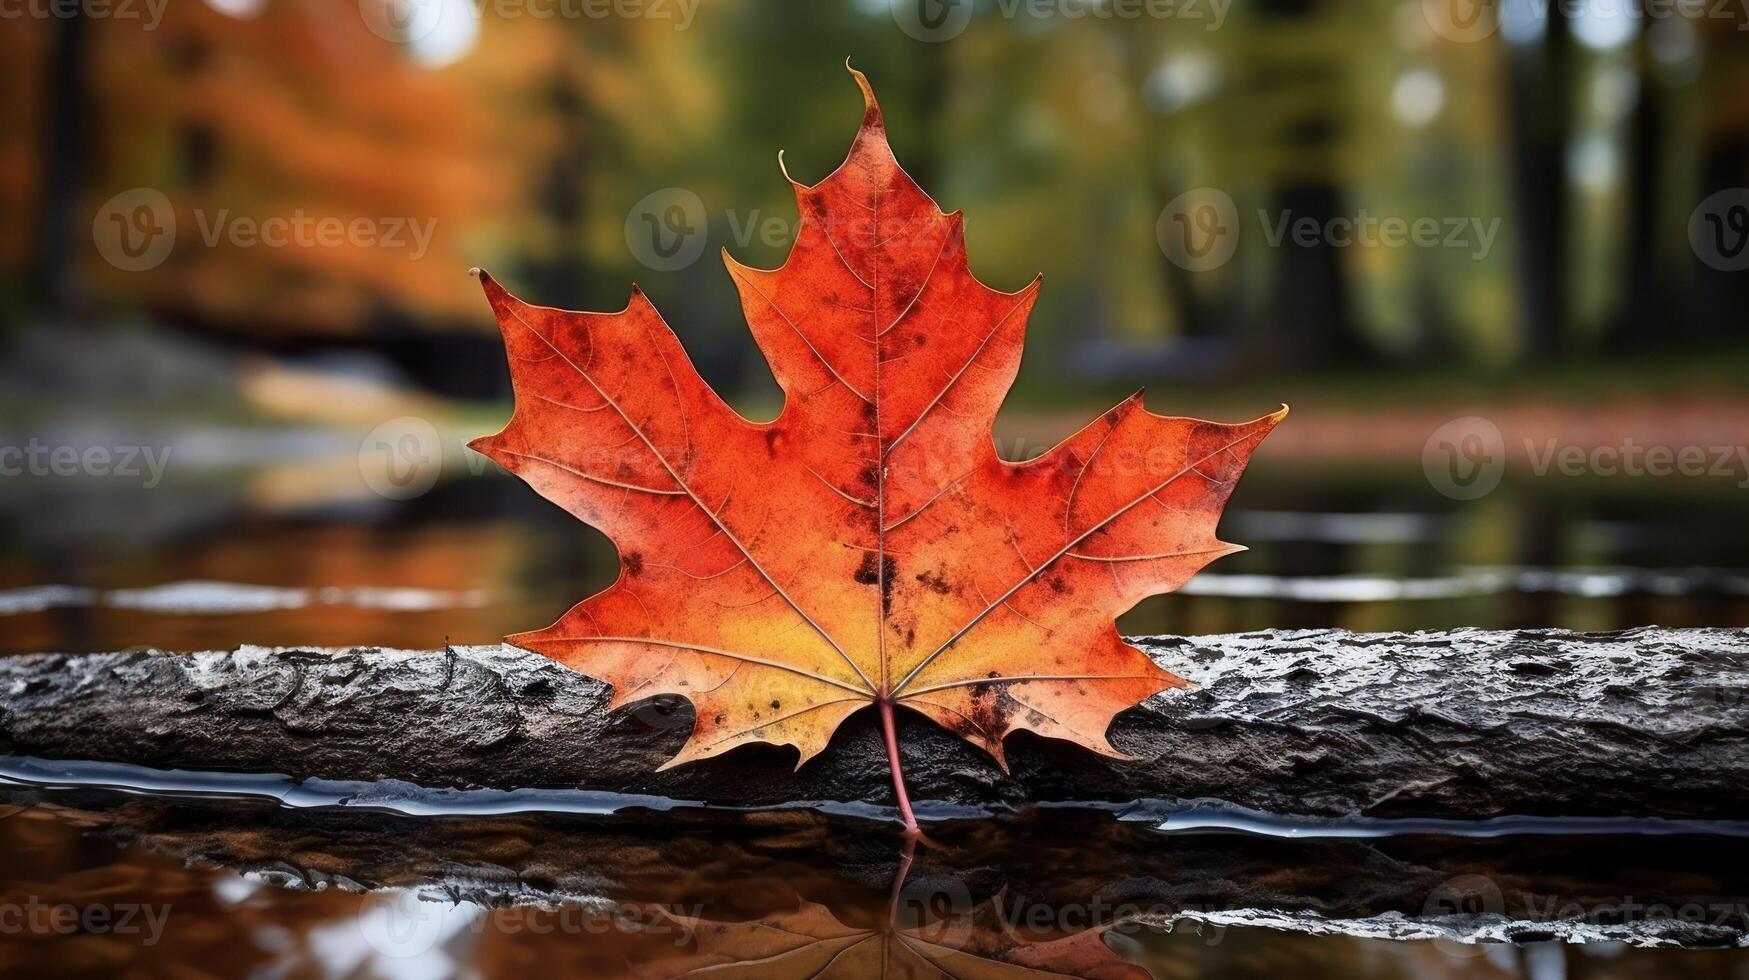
(892, 738)
(905, 858)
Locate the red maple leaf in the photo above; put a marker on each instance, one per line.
(868, 546)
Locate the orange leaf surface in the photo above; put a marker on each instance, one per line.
(867, 546)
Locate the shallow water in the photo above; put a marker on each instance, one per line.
(238, 887)
(280, 557)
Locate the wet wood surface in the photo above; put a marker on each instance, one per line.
(1461, 724)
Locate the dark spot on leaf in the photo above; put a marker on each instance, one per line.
(866, 574)
(935, 581)
(775, 703)
(634, 563)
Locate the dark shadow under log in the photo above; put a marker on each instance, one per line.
(1465, 724)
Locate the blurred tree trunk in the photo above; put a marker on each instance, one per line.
(1539, 121)
(1310, 295)
(1720, 297)
(1434, 327)
(1194, 312)
(927, 95)
(559, 272)
(1309, 303)
(1542, 538)
(1649, 311)
(65, 120)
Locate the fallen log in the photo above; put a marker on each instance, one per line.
(1465, 724)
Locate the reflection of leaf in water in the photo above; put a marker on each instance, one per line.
(810, 942)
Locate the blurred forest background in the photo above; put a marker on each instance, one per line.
(1589, 130)
(1583, 163)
